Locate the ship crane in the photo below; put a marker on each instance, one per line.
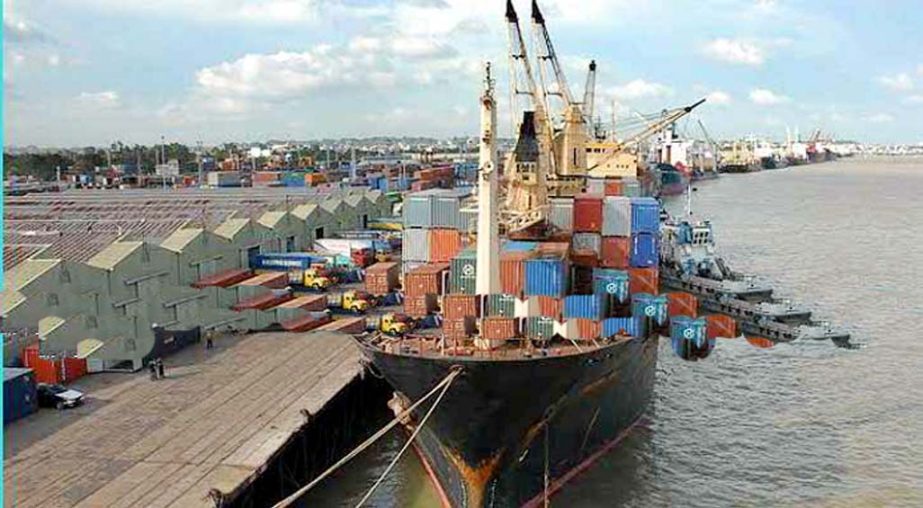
(589, 94)
(668, 118)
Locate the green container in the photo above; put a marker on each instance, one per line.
(539, 327)
(501, 305)
(463, 273)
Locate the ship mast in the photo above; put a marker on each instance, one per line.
(488, 237)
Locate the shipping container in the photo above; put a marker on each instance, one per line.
(315, 303)
(616, 216)
(631, 188)
(539, 328)
(645, 215)
(420, 306)
(463, 273)
(273, 280)
(501, 305)
(561, 214)
(689, 329)
(447, 206)
(584, 259)
(556, 249)
(613, 188)
(418, 211)
(645, 250)
(458, 328)
(314, 179)
(584, 307)
(546, 276)
(643, 280)
(352, 325)
(19, 394)
(426, 279)
(630, 326)
(645, 305)
(611, 282)
(550, 307)
(382, 278)
(415, 245)
(615, 252)
(513, 272)
(588, 213)
(456, 306)
(223, 179)
(497, 328)
(262, 178)
(721, 326)
(587, 242)
(682, 304)
(519, 246)
(583, 329)
(444, 244)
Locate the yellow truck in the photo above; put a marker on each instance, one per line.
(396, 324)
(316, 279)
(353, 302)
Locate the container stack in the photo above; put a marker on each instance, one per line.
(433, 178)
(435, 226)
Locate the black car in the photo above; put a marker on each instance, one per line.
(58, 396)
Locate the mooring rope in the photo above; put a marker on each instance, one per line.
(413, 436)
(288, 501)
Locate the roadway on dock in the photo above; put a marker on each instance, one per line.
(214, 422)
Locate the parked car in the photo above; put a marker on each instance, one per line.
(58, 396)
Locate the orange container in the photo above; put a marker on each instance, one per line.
(549, 306)
(588, 329)
(425, 280)
(314, 179)
(444, 244)
(497, 328)
(682, 304)
(615, 252)
(643, 280)
(513, 272)
(761, 342)
(613, 188)
(266, 177)
(456, 306)
(354, 325)
(420, 306)
(586, 258)
(382, 278)
(459, 328)
(722, 326)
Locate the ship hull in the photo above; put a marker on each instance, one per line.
(486, 444)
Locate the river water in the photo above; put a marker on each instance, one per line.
(804, 424)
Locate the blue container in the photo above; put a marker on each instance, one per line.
(285, 261)
(546, 277)
(403, 183)
(622, 326)
(519, 246)
(651, 306)
(690, 329)
(19, 394)
(645, 215)
(584, 307)
(611, 282)
(645, 250)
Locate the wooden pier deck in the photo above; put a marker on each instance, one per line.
(213, 423)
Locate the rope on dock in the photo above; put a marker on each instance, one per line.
(410, 440)
(442, 385)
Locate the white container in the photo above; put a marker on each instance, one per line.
(616, 216)
(587, 241)
(561, 214)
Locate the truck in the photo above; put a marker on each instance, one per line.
(353, 302)
(395, 324)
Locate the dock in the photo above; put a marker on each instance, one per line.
(214, 423)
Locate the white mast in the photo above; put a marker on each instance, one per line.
(488, 239)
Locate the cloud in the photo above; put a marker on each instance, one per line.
(914, 99)
(18, 31)
(104, 99)
(920, 70)
(718, 97)
(764, 97)
(736, 51)
(252, 12)
(639, 89)
(880, 118)
(901, 82)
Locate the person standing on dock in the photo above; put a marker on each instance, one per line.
(209, 340)
(160, 372)
(152, 366)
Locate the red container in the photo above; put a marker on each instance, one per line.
(554, 248)
(549, 306)
(314, 303)
(682, 304)
(761, 342)
(588, 213)
(459, 328)
(273, 280)
(353, 325)
(420, 306)
(588, 329)
(721, 326)
(262, 302)
(382, 278)
(425, 280)
(513, 272)
(457, 306)
(586, 258)
(615, 252)
(643, 280)
(497, 328)
(223, 279)
(613, 187)
(305, 323)
(265, 177)
(444, 244)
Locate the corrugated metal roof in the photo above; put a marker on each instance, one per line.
(231, 227)
(305, 211)
(87, 347)
(9, 299)
(112, 255)
(181, 238)
(48, 324)
(334, 206)
(354, 200)
(270, 219)
(26, 272)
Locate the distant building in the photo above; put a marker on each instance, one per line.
(171, 168)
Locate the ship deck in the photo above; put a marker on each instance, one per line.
(214, 423)
(519, 349)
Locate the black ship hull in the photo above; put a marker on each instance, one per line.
(504, 423)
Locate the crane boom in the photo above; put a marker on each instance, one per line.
(589, 94)
(546, 55)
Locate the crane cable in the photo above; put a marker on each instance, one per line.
(288, 501)
(409, 440)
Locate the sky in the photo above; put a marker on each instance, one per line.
(92, 72)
